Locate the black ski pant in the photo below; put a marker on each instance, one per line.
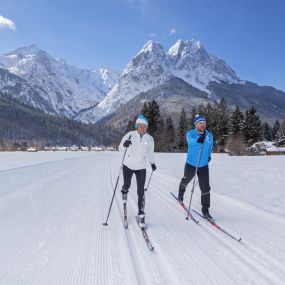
(203, 177)
(140, 177)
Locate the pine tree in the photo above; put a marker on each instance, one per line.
(282, 129)
(217, 121)
(169, 135)
(209, 116)
(266, 132)
(170, 129)
(223, 120)
(145, 109)
(235, 141)
(281, 141)
(192, 117)
(276, 131)
(152, 112)
(160, 137)
(252, 130)
(182, 129)
(155, 126)
(236, 122)
(213, 122)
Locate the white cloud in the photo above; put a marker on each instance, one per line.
(172, 32)
(152, 35)
(7, 23)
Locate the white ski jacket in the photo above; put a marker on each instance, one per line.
(141, 149)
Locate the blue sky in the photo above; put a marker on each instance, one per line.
(248, 34)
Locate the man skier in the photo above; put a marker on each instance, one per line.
(140, 148)
(198, 139)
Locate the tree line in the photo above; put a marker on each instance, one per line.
(234, 130)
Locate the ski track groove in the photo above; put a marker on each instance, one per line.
(227, 199)
(71, 246)
(248, 244)
(57, 237)
(119, 224)
(226, 241)
(132, 242)
(32, 264)
(147, 258)
(184, 240)
(39, 228)
(162, 247)
(45, 179)
(39, 164)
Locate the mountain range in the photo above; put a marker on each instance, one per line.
(183, 76)
(52, 85)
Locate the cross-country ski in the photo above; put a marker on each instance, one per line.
(213, 223)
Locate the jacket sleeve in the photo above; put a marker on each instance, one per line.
(191, 139)
(150, 154)
(125, 137)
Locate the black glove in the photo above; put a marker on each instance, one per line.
(127, 143)
(202, 137)
(153, 166)
(209, 159)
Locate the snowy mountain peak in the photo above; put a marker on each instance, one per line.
(187, 60)
(187, 46)
(23, 58)
(193, 43)
(146, 70)
(153, 47)
(196, 66)
(68, 89)
(26, 50)
(190, 46)
(176, 48)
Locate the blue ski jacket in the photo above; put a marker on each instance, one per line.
(194, 147)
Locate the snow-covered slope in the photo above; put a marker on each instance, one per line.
(51, 216)
(67, 88)
(152, 66)
(20, 88)
(149, 68)
(193, 64)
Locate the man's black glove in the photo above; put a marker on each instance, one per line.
(153, 166)
(127, 143)
(209, 159)
(202, 137)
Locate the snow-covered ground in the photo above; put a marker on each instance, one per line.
(9, 160)
(52, 206)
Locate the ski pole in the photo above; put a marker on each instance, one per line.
(194, 184)
(106, 223)
(148, 181)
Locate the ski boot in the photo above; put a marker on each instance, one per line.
(181, 195)
(141, 220)
(206, 214)
(124, 195)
